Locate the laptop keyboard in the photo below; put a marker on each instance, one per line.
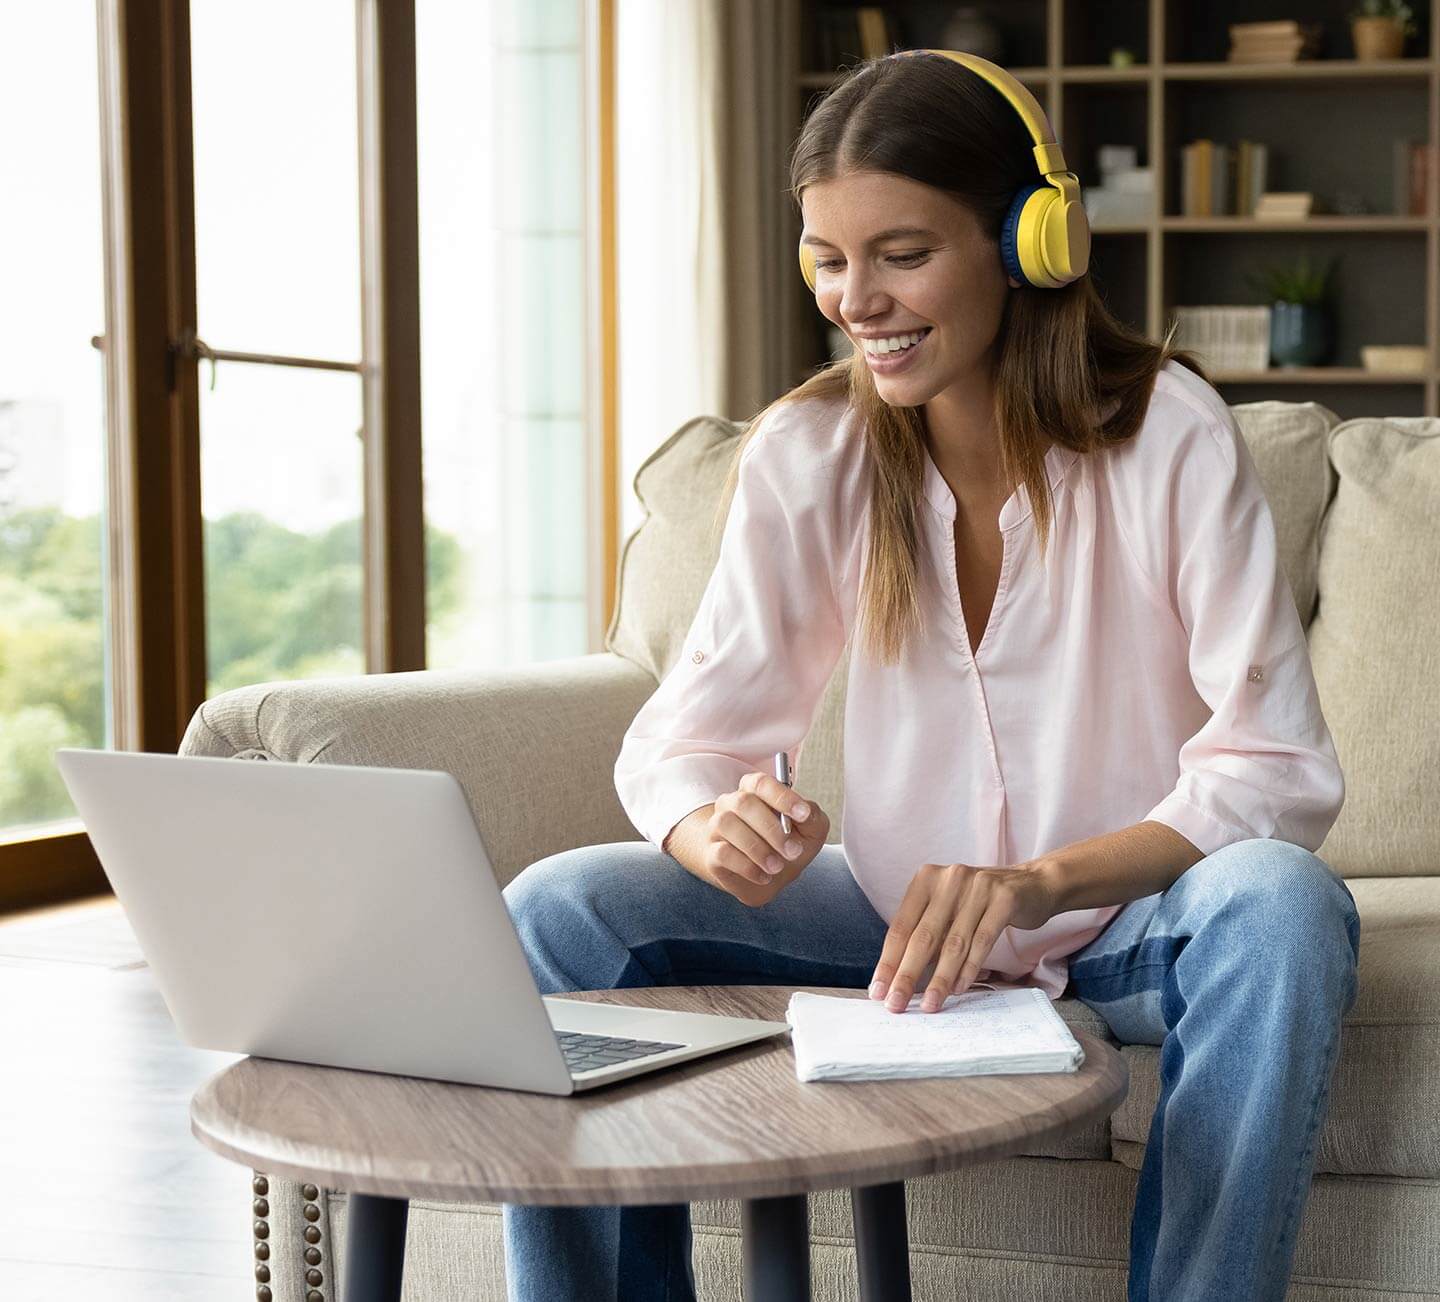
(587, 1052)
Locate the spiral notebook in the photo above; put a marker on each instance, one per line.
(982, 1032)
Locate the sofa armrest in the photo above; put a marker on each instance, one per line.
(534, 747)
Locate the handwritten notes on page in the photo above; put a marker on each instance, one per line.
(978, 1033)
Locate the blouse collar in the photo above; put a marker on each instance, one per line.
(1017, 508)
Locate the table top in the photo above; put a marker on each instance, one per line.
(735, 1124)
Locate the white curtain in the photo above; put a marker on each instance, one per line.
(709, 313)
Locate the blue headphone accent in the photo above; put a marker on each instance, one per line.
(1008, 254)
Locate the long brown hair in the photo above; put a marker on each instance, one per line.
(1066, 370)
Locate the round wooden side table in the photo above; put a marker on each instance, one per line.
(737, 1124)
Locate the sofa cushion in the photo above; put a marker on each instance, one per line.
(664, 567)
(667, 560)
(1288, 443)
(1381, 1115)
(1375, 644)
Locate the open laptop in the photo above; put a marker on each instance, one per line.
(349, 916)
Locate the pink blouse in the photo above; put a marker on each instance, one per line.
(1153, 666)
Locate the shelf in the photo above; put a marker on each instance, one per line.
(1377, 224)
(1325, 224)
(1320, 375)
(1105, 74)
(1102, 74)
(1303, 70)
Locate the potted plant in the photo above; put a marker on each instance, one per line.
(1380, 28)
(1300, 311)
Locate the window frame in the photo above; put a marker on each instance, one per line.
(155, 553)
(155, 548)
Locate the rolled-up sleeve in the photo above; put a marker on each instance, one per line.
(763, 644)
(1264, 764)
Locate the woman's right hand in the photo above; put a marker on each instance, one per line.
(742, 846)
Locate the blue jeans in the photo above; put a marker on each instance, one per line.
(1241, 972)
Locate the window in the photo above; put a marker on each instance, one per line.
(277, 272)
(500, 104)
(52, 409)
(211, 364)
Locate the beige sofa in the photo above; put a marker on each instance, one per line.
(1356, 506)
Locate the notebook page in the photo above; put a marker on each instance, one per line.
(977, 1032)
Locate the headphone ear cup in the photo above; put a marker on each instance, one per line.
(1065, 236)
(1047, 236)
(1009, 252)
(807, 265)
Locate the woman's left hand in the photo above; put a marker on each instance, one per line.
(959, 911)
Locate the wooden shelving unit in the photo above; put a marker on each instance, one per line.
(1330, 123)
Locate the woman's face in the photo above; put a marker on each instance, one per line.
(947, 280)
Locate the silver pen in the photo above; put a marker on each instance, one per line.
(782, 774)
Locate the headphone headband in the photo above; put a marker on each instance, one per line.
(1048, 157)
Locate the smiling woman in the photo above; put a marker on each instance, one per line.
(905, 233)
(1081, 721)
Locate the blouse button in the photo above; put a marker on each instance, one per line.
(698, 657)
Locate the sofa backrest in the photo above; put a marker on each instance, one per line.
(1375, 644)
(667, 560)
(1287, 442)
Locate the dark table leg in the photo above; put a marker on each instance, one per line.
(775, 1238)
(882, 1242)
(375, 1247)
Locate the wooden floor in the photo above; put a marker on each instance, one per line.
(104, 1192)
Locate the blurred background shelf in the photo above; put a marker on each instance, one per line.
(1329, 122)
(1321, 375)
(1377, 224)
(1304, 70)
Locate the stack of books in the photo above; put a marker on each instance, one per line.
(1285, 205)
(1283, 41)
(1222, 180)
(1413, 162)
(1225, 338)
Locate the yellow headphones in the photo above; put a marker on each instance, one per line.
(1045, 238)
